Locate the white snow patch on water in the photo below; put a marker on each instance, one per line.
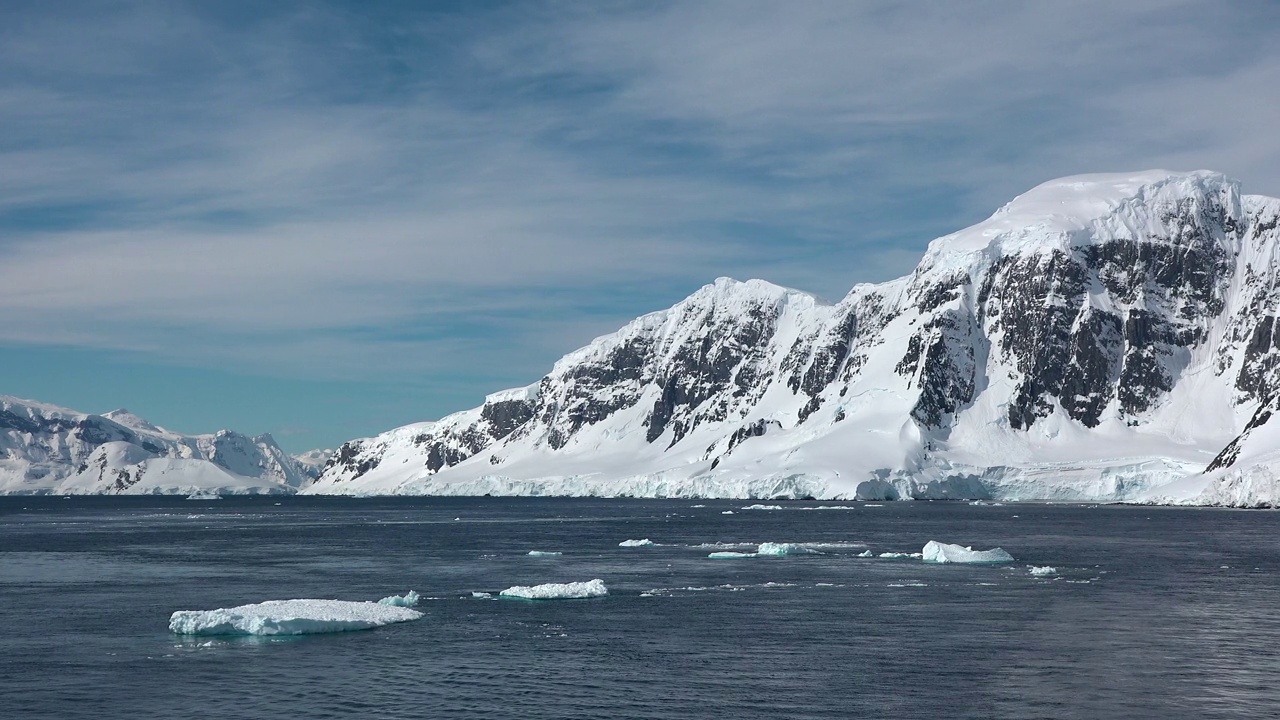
(936, 552)
(635, 543)
(557, 591)
(409, 599)
(289, 617)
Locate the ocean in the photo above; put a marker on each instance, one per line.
(1151, 612)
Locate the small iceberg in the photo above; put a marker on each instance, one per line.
(728, 555)
(635, 543)
(409, 599)
(540, 553)
(557, 591)
(762, 507)
(1042, 571)
(476, 594)
(289, 617)
(897, 555)
(727, 512)
(866, 553)
(779, 549)
(936, 552)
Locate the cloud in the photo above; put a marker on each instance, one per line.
(326, 190)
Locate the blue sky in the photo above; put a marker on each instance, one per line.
(323, 220)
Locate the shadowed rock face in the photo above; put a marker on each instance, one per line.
(1098, 324)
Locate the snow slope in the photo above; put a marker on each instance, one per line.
(1100, 337)
(48, 449)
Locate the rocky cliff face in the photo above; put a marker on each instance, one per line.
(49, 449)
(1097, 338)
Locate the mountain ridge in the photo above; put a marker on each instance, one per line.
(1069, 336)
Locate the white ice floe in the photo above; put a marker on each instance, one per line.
(541, 553)
(1042, 571)
(866, 553)
(475, 594)
(762, 507)
(778, 549)
(557, 591)
(289, 617)
(726, 555)
(409, 599)
(727, 512)
(896, 555)
(936, 552)
(635, 543)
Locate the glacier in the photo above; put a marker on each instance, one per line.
(289, 617)
(1099, 338)
(557, 591)
(936, 552)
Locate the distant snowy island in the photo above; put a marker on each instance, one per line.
(1099, 338)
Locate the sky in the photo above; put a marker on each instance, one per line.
(323, 220)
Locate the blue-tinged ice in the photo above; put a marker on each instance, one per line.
(409, 599)
(778, 549)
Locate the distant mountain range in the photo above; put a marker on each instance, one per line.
(1102, 337)
(48, 449)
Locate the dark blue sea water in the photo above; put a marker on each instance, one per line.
(1155, 612)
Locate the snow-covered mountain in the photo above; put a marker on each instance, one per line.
(1100, 337)
(48, 449)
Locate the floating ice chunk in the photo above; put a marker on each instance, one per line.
(892, 555)
(206, 495)
(726, 555)
(866, 553)
(475, 594)
(289, 617)
(936, 552)
(1043, 571)
(872, 505)
(540, 553)
(778, 549)
(409, 599)
(727, 512)
(762, 507)
(697, 506)
(635, 543)
(557, 591)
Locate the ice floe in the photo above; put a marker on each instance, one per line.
(897, 555)
(866, 553)
(777, 549)
(542, 553)
(762, 507)
(289, 617)
(557, 591)
(409, 599)
(936, 552)
(635, 543)
(728, 555)
(1042, 571)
